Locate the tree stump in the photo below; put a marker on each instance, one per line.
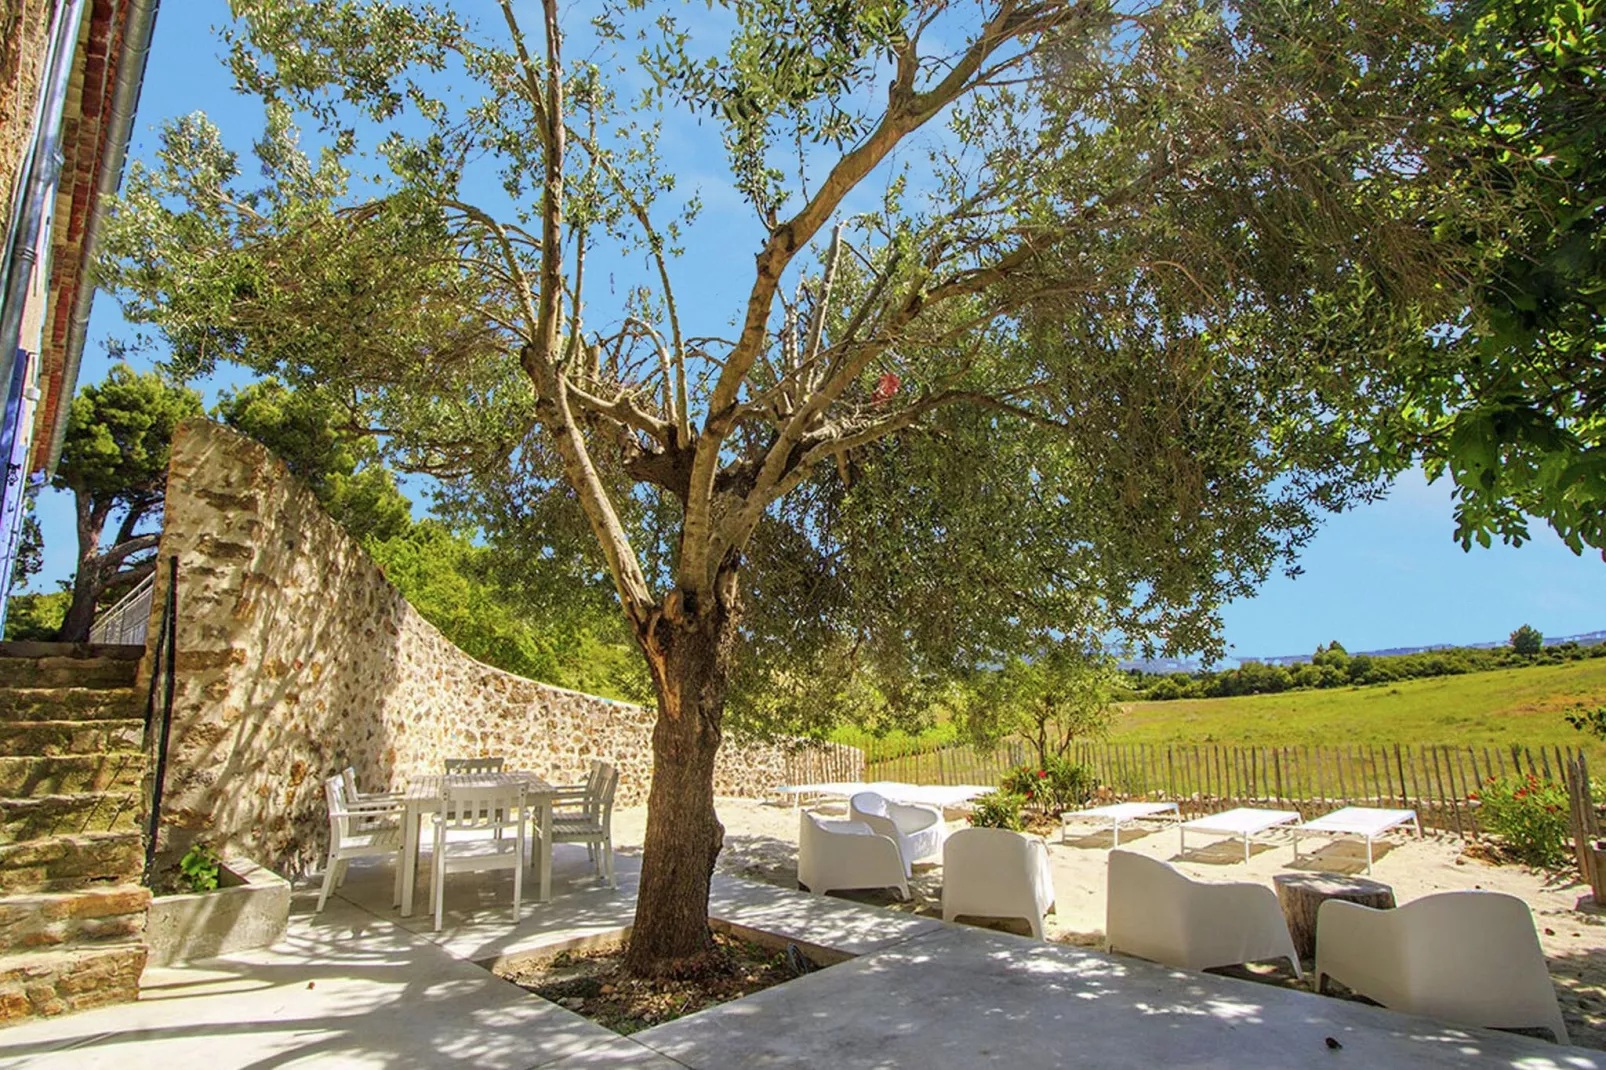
(1302, 894)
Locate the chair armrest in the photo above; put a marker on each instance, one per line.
(912, 817)
(366, 809)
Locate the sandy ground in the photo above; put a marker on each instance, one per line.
(761, 844)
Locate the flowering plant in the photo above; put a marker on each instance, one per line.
(1530, 815)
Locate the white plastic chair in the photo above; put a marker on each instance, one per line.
(996, 873)
(1472, 958)
(1156, 912)
(587, 817)
(835, 855)
(358, 830)
(468, 811)
(918, 831)
(470, 766)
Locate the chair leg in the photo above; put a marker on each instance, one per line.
(518, 889)
(328, 883)
(607, 847)
(396, 890)
(340, 879)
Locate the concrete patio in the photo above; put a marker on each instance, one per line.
(359, 986)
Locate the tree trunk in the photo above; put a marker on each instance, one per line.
(86, 583)
(690, 660)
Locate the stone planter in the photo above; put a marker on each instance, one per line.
(249, 909)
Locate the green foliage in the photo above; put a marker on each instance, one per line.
(198, 869)
(30, 548)
(1051, 788)
(308, 432)
(458, 587)
(36, 617)
(114, 461)
(1527, 641)
(1590, 721)
(1332, 669)
(1509, 402)
(998, 810)
(1530, 816)
(1052, 697)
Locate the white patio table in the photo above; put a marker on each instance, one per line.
(1118, 814)
(1367, 822)
(423, 796)
(1244, 821)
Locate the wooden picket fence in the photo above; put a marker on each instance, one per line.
(1439, 782)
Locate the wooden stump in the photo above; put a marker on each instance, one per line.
(1302, 894)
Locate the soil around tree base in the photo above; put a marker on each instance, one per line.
(594, 983)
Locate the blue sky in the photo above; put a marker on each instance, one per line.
(1388, 574)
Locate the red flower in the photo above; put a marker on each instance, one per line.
(885, 387)
(1041, 773)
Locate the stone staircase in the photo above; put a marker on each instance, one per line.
(72, 910)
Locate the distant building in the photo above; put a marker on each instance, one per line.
(70, 74)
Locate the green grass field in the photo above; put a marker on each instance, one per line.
(1521, 706)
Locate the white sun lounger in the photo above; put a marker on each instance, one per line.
(1244, 821)
(1364, 821)
(1116, 814)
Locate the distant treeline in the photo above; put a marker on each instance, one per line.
(1333, 666)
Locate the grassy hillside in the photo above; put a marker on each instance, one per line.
(1508, 706)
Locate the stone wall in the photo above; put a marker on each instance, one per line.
(296, 658)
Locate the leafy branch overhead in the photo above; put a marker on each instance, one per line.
(1061, 317)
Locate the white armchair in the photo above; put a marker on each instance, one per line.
(1156, 912)
(996, 873)
(918, 831)
(1467, 957)
(834, 855)
(358, 830)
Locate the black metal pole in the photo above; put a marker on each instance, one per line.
(164, 662)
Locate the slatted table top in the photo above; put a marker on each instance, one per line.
(428, 788)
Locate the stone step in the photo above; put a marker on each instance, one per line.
(68, 672)
(67, 815)
(70, 703)
(40, 984)
(27, 778)
(50, 739)
(68, 863)
(106, 914)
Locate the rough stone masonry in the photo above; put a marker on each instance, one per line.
(295, 657)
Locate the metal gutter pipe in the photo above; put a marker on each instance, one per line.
(43, 170)
(119, 131)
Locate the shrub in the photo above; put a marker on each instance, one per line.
(998, 810)
(1052, 787)
(198, 868)
(1531, 816)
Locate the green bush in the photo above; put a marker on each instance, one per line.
(1531, 816)
(198, 868)
(1052, 787)
(998, 810)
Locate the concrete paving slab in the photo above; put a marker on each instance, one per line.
(342, 989)
(814, 920)
(963, 998)
(622, 1054)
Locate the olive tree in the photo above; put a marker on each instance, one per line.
(1055, 314)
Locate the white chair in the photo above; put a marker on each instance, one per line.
(348, 778)
(470, 766)
(586, 817)
(1156, 912)
(996, 873)
(918, 831)
(358, 830)
(1472, 958)
(837, 855)
(469, 811)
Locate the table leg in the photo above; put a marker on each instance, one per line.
(1246, 847)
(546, 850)
(411, 819)
(1182, 839)
(1368, 856)
(1117, 826)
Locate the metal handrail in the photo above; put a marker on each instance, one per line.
(129, 620)
(163, 660)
